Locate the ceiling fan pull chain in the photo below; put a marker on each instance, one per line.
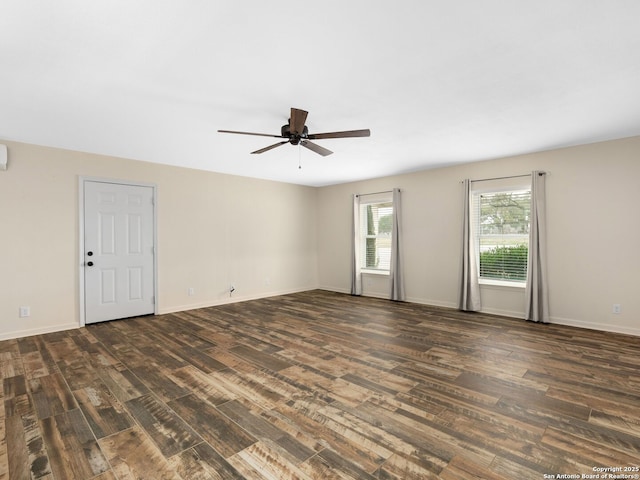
(299, 158)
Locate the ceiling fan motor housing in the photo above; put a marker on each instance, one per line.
(294, 139)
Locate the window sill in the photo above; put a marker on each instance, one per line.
(375, 272)
(502, 283)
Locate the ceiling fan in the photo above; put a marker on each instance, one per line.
(295, 132)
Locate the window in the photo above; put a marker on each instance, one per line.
(501, 230)
(376, 220)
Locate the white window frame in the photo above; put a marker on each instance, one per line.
(365, 201)
(489, 190)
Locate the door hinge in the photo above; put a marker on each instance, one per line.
(153, 300)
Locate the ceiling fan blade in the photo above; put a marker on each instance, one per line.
(266, 149)
(250, 133)
(349, 133)
(316, 148)
(296, 122)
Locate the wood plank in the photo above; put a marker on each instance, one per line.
(104, 413)
(18, 461)
(224, 435)
(243, 385)
(42, 343)
(10, 347)
(318, 432)
(16, 398)
(262, 461)
(585, 451)
(157, 379)
(35, 366)
(72, 447)
(199, 359)
(78, 373)
(461, 468)
(27, 345)
(205, 386)
(405, 467)
(123, 384)
(260, 358)
(60, 348)
(132, 454)
(620, 421)
(51, 395)
(39, 464)
(169, 432)
(202, 462)
(492, 385)
(330, 464)
(11, 363)
(433, 452)
(265, 431)
(104, 476)
(100, 357)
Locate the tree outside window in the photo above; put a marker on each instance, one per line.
(502, 234)
(376, 228)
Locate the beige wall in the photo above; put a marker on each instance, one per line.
(213, 230)
(269, 238)
(593, 234)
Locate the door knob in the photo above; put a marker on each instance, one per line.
(90, 264)
(89, 253)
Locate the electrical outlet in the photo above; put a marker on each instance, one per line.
(192, 292)
(25, 312)
(617, 308)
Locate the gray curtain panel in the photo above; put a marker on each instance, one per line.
(536, 292)
(469, 299)
(396, 268)
(356, 276)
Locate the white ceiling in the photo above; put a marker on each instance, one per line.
(437, 82)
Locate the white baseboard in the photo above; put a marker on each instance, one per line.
(433, 303)
(605, 327)
(335, 289)
(569, 322)
(38, 331)
(227, 300)
(503, 313)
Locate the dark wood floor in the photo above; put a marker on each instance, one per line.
(319, 385)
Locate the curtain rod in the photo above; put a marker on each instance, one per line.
(373, 193)
(503, 178)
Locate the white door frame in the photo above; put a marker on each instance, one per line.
(81, 249)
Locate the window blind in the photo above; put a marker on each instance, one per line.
(501, 229)
(375, 231)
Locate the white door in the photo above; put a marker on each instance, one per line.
(119, 277)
